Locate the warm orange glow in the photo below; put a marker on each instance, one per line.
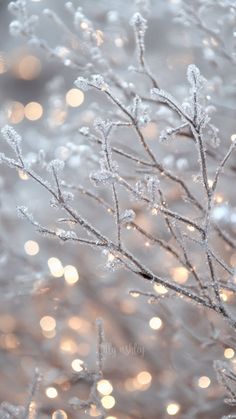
(29, 67)
(71, 274)
(180, 274)
(155, 323)
(31, 247)
(75, 322)
(15, 112)
(77, 365)
(48, 323)
(172, 409)
(33, 111)
(74, 97)
(93, 411)
(144, 377)
(160, 289)
(51, 392)
(204, 382)
(104, 387)
(229, 353)
(59, 414)
(68, 345)
(55, 267)
(108, 402)
(219, 199)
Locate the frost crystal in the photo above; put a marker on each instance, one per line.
(139, 22)
(82, 83)
(84, 131)
(56, 166)
(23, 213)
(127, 217)
(103, 177)
(103, 126)
(113, 262)
(67, 235)
(153, 186)
(12, 137)
(194, 76)
(167, 135)
(15, 28)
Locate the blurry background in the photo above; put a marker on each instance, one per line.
(158, 363)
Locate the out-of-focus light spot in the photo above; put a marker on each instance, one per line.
(74, 97)
(3, 63)
(210, 183)
(75, 322)
(154, 211)
(99, 37)
(180, 274)
(172, 409)
(223, 296)
(127, 306)
(160, 289)
(57, 117)
(150, 130)
(7, 323)
(229, 353)
(32, 410)
(219, 199)
(83, 349)
(110, 257)
(55, 267)
(77, 365)
(111, 417)
(155, 323)
(71, 274)
(29, 67)
(233, 138)
(130, 384)
(84, 25)
(108, 402)
(31, 248)
(49, 334)
(190, 228)
(204, 382)
(134, 294)
(47, 323)
(51, 392)
(104, 387)
(93, 411)
(15, 112)
(68, 345)
(59, 414)
(144, 377)
(119, 42)
(9, 341)
(23, 175)
(33, 111)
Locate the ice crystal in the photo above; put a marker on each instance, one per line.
(56, 166)
(127, 217)
(139, 22)
(82, 83)
(194, 77)
(11, 137)
(103, 177)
